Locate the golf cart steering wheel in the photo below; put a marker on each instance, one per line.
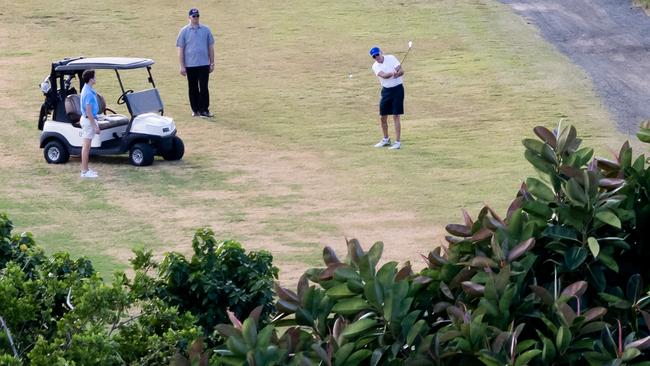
(122, 98)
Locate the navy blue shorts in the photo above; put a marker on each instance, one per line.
(392, 101)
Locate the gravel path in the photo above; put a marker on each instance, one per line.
(610, 40)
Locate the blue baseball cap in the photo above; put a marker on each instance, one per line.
(194, 11)
(374, 51)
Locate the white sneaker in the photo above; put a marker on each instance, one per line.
(395, 146)
(89, 174)
(383, 142)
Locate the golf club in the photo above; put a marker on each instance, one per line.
(407, 51)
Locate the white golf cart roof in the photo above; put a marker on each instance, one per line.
(112, 63)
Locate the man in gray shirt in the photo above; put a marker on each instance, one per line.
(195, 45)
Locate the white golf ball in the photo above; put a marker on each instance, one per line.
(350, 75)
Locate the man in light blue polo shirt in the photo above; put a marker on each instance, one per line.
(195, 45)
(89, 126)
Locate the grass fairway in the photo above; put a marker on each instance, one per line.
(288, 164)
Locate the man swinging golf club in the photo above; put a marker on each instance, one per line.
(389, 71)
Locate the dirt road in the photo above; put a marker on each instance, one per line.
(610, 40)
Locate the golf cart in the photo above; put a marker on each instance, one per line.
(143, 135)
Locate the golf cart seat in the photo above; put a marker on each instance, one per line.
(73, 110)
(107, 120)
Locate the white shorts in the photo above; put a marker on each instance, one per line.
(87, 128)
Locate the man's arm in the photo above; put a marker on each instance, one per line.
(385, 75)
(91, 117)
(181, 60)
(398, 71)
(211, 54)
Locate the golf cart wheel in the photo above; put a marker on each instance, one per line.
(177, 150)
(141, 154)
(56, 153)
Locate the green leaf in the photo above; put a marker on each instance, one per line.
(357, 357)
(609, 218)
(359, 327)
(249, 332)
(630, 354)
(350, 306)
(342, 354)
(374, 254)
(574, 258)
(340, 291)
(608, 261)
(594, 247)
(576, 193)
(538, 162)
(415, 331)
(540, 190)
(526, 357)
(562, 339)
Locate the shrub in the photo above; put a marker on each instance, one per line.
(559, 279)
(58, 311)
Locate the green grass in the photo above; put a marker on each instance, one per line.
(288, 159)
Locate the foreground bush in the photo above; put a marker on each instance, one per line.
(58, 311)
(560, 279)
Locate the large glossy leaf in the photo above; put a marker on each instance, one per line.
(543, 294)
(459, 230)
(594, 313)
(249, 332)
(473, 289)
(563, 339)
(354, 250)
(415, 331)
(639, 344)
(538, 162)
(374, 254)
(357, 357)
(526, 357)
(576, 193)
(359, 327)
(521, 249)
(350, 306)
(594, 247)
(545, 135)
(539, 189)
(575, 289)
(608, 261)
(609, 218)
(329, 256)
(340, 291)
(574, 257)
(482, 234)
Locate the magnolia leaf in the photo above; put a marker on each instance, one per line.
(545, 135)
(459, 230)
(446, 291)
(303, 286)
(543, 294)
(575, 289)
(594, 247)
(359, 327)
(609, 218)
(350, 306)
(524, 358)
(233, 319)
(639, 344)
(473, 289)
(629, 354)
(611, 182)
(521, 249)
(329, 256)
(482, 234)
(285, 294)
(374, 254)
(594, 313)
(355, 252)
(574, 257)
(228, 330)
(482, 262)
(540, 190)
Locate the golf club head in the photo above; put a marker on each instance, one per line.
(410, 44)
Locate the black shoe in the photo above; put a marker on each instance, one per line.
(207, 114)
(196, 114)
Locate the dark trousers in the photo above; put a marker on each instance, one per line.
(197, 85)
